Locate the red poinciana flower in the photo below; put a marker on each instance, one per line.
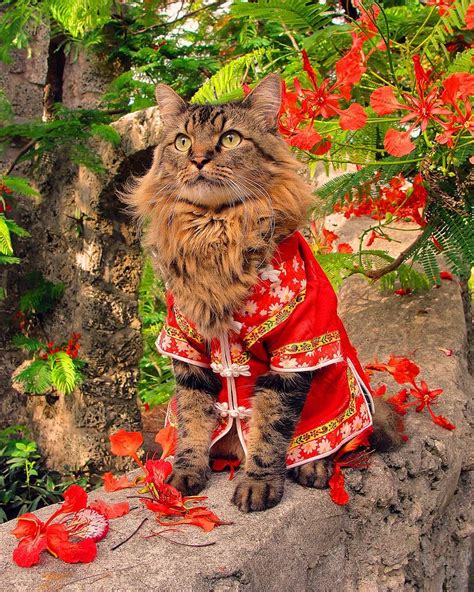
(197, 516)
(70, 533)
(112, 483)
(402, 369)
(442, 5)
(424, 106)
(425, 398)
(305, 104)
(345, 458)
(458, 89)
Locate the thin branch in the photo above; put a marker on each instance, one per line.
(376, 274)
(181, 18)
(131, 535)
(14, 162)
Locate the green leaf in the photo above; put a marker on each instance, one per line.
(227, 84)
(5, 238)
(19, 185)
(27, 343)
(18, 230)
(107, 133)
(63, 373)
(36, 377)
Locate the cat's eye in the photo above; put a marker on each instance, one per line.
(231, 139)
(182, 143)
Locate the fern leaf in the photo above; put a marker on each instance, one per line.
(15, 229)
(63, 372)
(9, 260)
(301, 15)
(5, 238)
(27, 343)
(79, 16)
(227, 83)
(35, 378)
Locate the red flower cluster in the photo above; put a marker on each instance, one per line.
(399, 197)
(430, 103)
(404, 371)
(442, 5)
(70, 534)
(160, 497)
(304, 105)
(324, 239)
(71, 349)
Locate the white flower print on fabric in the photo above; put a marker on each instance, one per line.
(165, 342)
(309, 447)
(294, 455)
(285, 294)
(296, 263)
(249, 308)
(324, 446)
(346, 430)
(269, 273)
(286, 362)
(357, 424)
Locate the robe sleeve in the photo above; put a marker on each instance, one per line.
(311, 337)
(180, 340)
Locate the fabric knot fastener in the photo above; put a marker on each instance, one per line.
(233, 370)
(241, 412)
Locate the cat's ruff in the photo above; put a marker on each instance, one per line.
(288, 323)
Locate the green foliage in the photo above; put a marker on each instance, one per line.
(7, 228)
(405, 277)
(58, 372)
(444, 29)
(25, 484)
(18, 185)
(41, 295)
(69, 132)
(80, 16)
(226, 85)
(302, 15)
(156, 382)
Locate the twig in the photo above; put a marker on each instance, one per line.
(160, 534)
(376, 274)
(181, 18)
(131, 535)
(14, 162)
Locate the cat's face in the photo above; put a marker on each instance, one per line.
(219, 154)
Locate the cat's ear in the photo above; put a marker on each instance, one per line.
(265, 100)
(169, 102)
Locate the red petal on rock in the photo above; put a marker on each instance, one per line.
(29, 550)
(75, 499)
(59, 545)
(27, 525)
(344, 248)
(110, 511)
(112, 483)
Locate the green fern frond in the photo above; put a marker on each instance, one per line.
(35, 378)
(453, 20)
(5, 238)
(463, 62)
(226, 84)
(27, 343)
(15, 229)
(80, 16)
(9, 260)
(63, 372)
(301, 15)
(41, 294)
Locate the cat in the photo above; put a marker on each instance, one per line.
(264, 370)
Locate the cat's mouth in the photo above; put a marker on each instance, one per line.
(201, 178)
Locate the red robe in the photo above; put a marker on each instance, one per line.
(288, 323)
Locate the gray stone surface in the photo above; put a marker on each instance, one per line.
(405, 528)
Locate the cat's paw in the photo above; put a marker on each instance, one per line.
(255, 495)
(188, 481)
(312, 474)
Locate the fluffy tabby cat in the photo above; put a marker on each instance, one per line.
(222, 193)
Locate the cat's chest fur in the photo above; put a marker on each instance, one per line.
(210, 260)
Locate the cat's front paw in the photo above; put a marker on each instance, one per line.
(188, 481)
(256, 495)
(312, 474)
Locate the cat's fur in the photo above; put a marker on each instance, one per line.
(214, 218)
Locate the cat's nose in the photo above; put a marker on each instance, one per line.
(200, 161)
